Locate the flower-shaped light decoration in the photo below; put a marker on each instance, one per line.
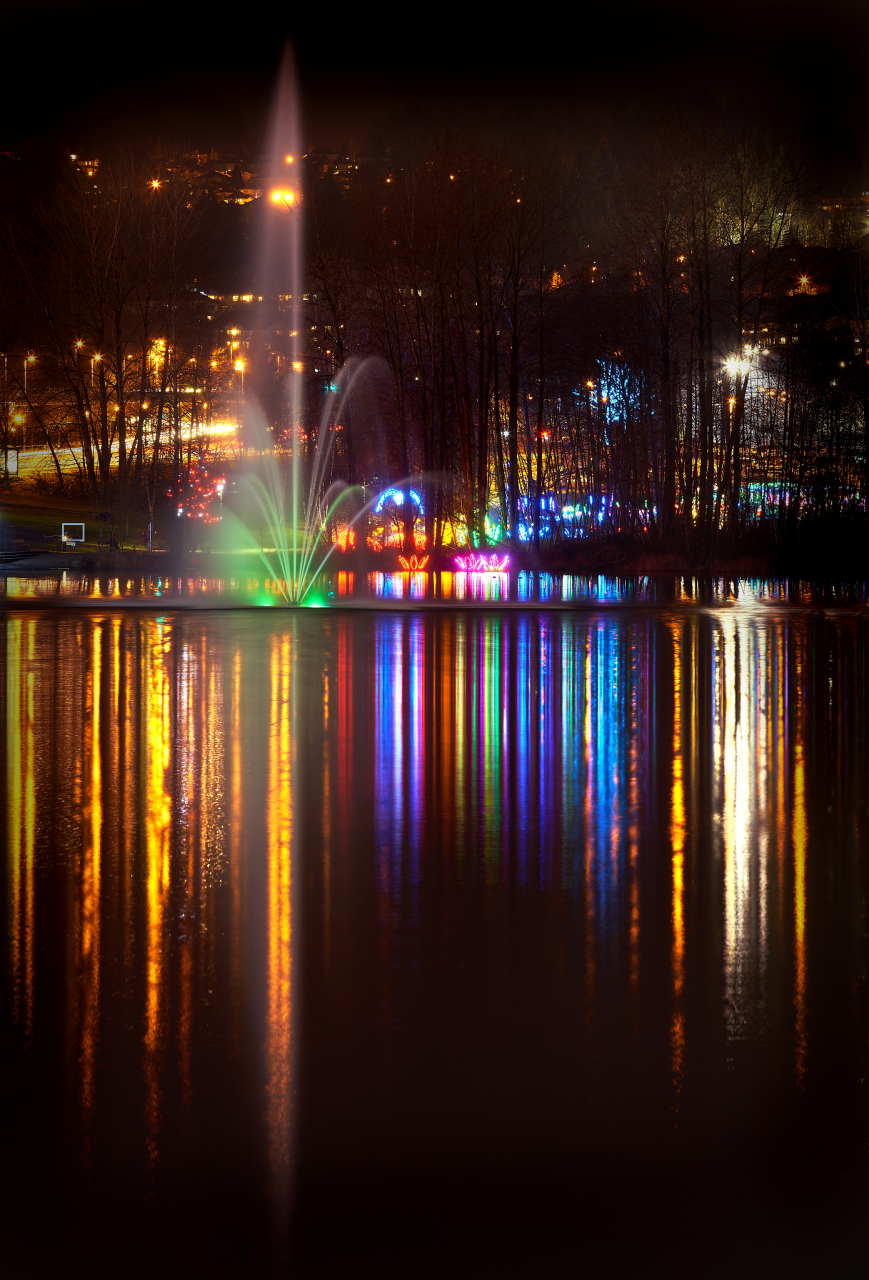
(414, 564)
(479, 564)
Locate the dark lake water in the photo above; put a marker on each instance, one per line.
(448, 943)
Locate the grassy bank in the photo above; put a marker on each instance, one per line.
(834, 548)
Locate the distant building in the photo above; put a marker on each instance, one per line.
(839, 218)
(86, 167)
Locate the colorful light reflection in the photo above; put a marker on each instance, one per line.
(659, 786)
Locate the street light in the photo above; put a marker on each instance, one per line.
(737, 365)
(20, 417)
(239, 368)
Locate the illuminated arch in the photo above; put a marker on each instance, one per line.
(397, 497)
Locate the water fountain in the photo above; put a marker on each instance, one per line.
(294, 521)
(292, 548)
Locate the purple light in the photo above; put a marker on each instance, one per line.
(479, 564)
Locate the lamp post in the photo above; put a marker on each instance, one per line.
(239, 370)
(27, 360)
(23, 416)
(737, 367)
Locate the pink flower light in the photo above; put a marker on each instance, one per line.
(479, 564)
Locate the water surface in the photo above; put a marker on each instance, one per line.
(452, 943)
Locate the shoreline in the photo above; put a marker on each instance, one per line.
(819, 551)
(666, 579)
(590, 562)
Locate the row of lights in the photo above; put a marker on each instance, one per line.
(282, 196)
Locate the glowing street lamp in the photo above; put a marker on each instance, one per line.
(18, 419)
(239, 379)
(737, 366)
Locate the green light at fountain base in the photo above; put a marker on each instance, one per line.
(294, 500)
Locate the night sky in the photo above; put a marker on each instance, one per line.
(98, 75)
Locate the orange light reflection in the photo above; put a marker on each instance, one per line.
(280, 921)
(157, 763)
(677, 842)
